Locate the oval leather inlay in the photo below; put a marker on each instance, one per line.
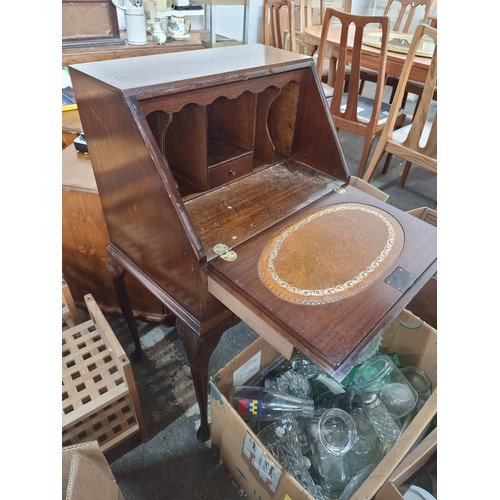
(330, 253)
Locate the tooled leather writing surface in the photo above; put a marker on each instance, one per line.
(330, 253)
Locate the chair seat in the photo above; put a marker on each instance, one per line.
(327, 89)
(365, 108)
(401, 134)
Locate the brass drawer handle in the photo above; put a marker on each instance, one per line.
(231, 172)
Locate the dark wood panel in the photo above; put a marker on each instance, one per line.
(330, 333)
(85, 54)
(233, 214)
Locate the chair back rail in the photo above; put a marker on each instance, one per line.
(406, 10)
(279, 23)
(345, 65)
(420, 144)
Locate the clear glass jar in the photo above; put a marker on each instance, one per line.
(380, 375)
(420, 381)
(332, 438)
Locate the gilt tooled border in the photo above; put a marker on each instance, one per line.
(287, 291)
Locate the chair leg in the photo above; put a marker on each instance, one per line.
(393, 93)
(386, 163)
(403, 101)
(377, 155)
(404, 175)
(367, 146)
(361, 86)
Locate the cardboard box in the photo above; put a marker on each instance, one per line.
(368, 188)
(86, 474)
(426, 214)
(394, 488)
(253, 467)
(424, 303)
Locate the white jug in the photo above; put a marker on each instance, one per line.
(135, 21)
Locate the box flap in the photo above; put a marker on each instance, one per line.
(86, 473)
(86, 480)
(370, 189)
(411, 464)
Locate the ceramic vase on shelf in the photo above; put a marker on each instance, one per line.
(135, 21)
(159, 36)
(150, 10)
(164, 5)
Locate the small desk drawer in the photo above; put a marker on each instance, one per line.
(230, 170)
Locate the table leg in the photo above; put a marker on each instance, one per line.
(199, 348)
(246, 20)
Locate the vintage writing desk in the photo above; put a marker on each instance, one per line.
(226, 194)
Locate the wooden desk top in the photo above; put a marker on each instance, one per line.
(77, 173)
(371, 55)
(71, 122)
(76, 55)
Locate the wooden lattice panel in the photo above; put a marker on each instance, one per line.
(99, 396)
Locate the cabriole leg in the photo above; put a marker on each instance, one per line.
(117, 273)
(199, 348)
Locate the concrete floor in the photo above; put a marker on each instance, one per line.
(173, 464)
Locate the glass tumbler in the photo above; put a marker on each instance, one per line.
(293, 383)
(380, 375)
(282, 440)
(420, 381)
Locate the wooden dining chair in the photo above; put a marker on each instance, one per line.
(416, 142)
(403, 11)
(352, 112)
(279, 31)
(310, 13)
(279, 24)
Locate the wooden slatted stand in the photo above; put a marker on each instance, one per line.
(70, 316)
(99, 395)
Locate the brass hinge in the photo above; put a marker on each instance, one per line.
(224, 252)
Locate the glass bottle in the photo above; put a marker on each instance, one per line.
(360, 454)
(386, 428)
(366, 431)
(259, 403)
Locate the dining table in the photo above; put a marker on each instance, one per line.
(370, 53)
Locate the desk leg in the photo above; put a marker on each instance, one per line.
(117, 273)
(199, 348)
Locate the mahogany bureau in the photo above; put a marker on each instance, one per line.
(226, 194)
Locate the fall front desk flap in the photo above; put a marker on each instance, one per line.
(329, 277)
